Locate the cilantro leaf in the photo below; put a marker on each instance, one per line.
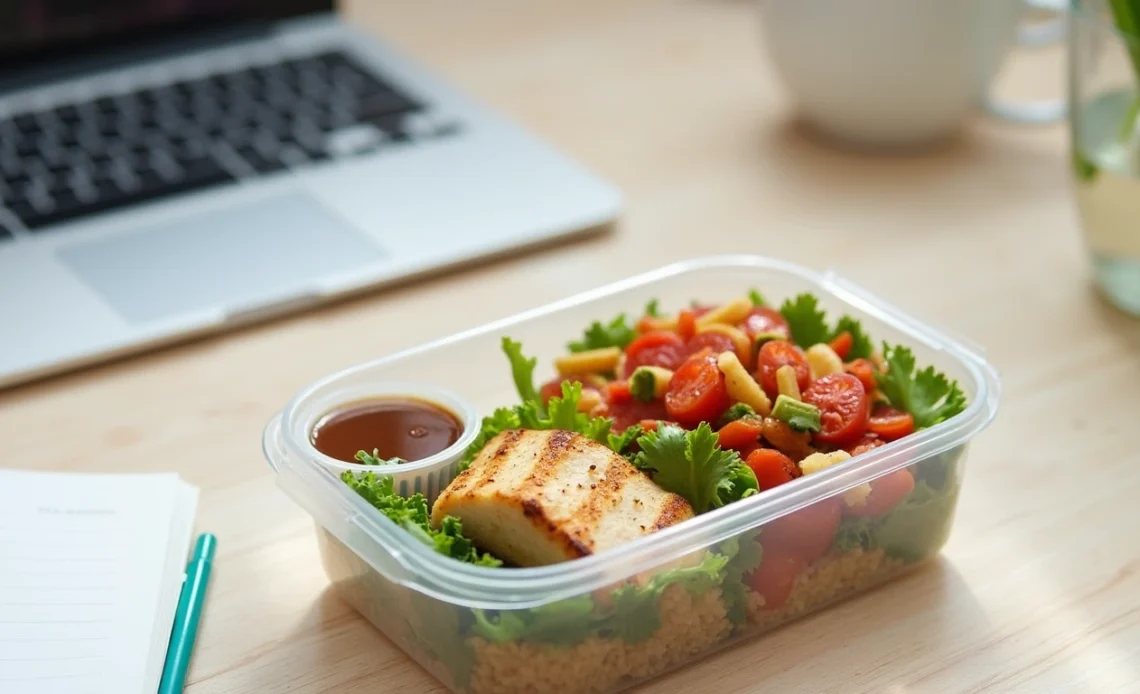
(806, 320)
(757, 298)
(616, 333)
(411, 514)
(744, 553)
(927, 395)
(522, 371)
(861, 345)
(692, 464)
(373, 458)
(652, 309)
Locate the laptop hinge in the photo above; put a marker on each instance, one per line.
(61, 67)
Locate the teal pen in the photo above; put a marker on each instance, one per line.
(188, 615)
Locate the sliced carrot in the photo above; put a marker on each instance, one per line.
(741, 433)
(772, 467)
(686, 324)
(842, 343)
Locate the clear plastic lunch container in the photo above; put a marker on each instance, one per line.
(605, 622)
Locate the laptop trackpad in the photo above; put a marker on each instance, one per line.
(231, 258)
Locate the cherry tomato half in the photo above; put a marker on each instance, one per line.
(886, 493)
(843, 405)
(717, 342)
(764, 319)
(661, 348)
(618, 392)
(779, 353)
(630, 412)
(697, 392)
(890, 423)
(772, 467)
(806, 533)
(776, 576)
(869, 442)
(740, 434)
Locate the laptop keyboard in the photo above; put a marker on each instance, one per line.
(83, 158)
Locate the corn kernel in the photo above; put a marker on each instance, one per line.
(733, 312)
(589, 362)
(740, 384)
(822, 360)
(786, 382)
(821, 461)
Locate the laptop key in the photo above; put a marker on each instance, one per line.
(150, 187)
(260, 162)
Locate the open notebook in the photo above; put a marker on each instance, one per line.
(91, 567)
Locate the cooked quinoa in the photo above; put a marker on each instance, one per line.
(690, 624)
(829, 579)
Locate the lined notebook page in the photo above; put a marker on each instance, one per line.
(91, 568)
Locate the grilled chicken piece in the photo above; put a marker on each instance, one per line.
(541, 497)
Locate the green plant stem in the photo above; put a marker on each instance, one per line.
(1126, 14)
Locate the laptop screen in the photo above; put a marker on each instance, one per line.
(35, 29)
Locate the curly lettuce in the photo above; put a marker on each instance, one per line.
(633, 613)
(412, 514)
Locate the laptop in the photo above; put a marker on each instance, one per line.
(173, 168)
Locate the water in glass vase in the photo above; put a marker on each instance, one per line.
(1107, 168)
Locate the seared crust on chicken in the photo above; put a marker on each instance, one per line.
(541, 497)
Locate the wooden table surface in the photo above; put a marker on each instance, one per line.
(1039, 587)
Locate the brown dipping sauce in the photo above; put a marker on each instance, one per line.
(396, 427)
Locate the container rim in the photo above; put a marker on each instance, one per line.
(515, 588)
(456, 405)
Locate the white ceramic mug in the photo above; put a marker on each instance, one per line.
(896, 73)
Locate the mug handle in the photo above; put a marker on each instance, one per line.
(1052, 32)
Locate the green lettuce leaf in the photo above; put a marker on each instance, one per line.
(634, 612)
(652, 309)
(918, 526)
(927, 395)
(857, 533)
(560, 413)
(913, 530)
(565, 622)
(411, 513)
(522, 371)
(757, 298)
(693, 465)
